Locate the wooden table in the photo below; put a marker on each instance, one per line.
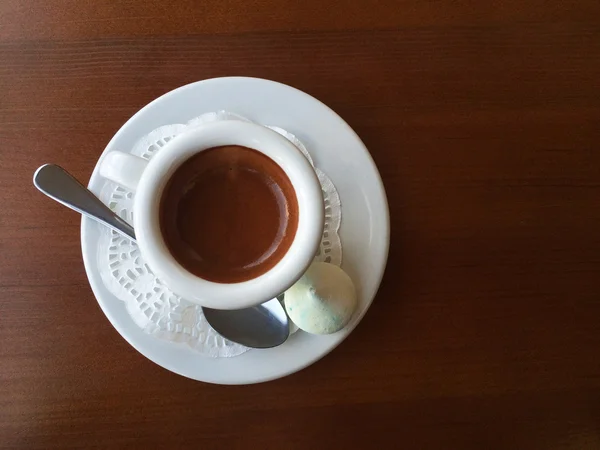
(484, 119)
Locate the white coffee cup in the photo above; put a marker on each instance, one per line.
(148, 179)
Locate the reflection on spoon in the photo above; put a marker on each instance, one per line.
(262, 326)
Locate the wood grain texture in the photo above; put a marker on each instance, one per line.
(483, 118)
(69, 19)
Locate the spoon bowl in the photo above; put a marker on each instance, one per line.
(262, 326)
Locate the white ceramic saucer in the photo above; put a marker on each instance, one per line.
(335, 148)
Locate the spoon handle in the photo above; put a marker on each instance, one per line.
(58, 184)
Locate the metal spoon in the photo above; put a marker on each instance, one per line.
(262, 326)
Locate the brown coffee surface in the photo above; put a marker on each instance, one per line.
(228, 214)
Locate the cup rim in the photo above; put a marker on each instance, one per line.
(256, 290)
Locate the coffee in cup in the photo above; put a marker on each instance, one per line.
(228, 214)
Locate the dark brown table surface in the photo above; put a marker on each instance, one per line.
(484, 120)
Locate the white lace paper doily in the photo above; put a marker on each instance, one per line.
(152, 306)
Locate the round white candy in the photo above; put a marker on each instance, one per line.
(322, 301)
